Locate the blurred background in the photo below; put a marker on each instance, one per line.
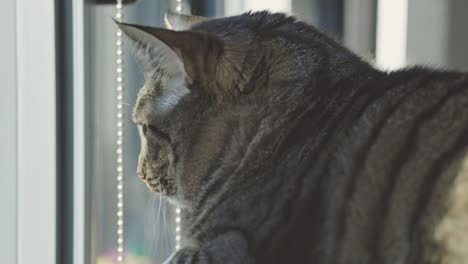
(58, 111)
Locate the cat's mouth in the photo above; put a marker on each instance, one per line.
(153, 187)
(161, 186)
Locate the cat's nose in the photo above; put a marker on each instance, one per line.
(141, 168)
(141, 175)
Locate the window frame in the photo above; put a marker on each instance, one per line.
(36, 132)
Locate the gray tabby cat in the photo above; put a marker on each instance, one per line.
(282, 146)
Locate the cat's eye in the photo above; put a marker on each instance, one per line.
(144, 129)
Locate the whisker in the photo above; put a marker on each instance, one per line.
(154, 228)
(165, 246)
(158, 226)
(127, 104)
(148, 240)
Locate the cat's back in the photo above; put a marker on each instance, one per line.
(387, 182)
(406, 199)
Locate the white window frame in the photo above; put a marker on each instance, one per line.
(240, 6)
(8, 149)
(391, 39)
(79, 166)
(36, 132)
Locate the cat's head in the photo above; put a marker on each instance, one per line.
(186, 73)
(208, 79)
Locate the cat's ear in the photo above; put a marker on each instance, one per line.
(195, 54)
(180, 21)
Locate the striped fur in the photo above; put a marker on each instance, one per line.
(290, 149)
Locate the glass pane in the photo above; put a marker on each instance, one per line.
(149, 220)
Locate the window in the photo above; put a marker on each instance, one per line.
(58, 161)
(149, 221)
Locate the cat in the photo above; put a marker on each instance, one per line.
(282, 146)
